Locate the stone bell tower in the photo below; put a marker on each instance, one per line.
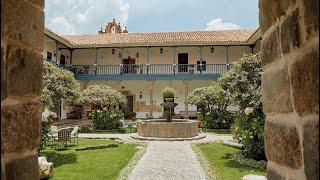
(113, 28)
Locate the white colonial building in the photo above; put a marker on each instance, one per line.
(141, 64)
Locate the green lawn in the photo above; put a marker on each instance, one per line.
(216, 154)
(90, 164)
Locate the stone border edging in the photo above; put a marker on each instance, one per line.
(167, 139)
(232, 144)
(126, 171)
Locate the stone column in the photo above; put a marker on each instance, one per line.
(71, 51)
(22, 38)
(227, 56)
(290, 87)
(200, 61)
(186, 92)
(121, 55)
(148, 55)
(151, 86)
(96, 50)
(174, 54)
(57, 51)
(118, 85)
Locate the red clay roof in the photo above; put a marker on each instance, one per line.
(221, 37)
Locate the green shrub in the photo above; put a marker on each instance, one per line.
(168, 92)
(242, 86)
(45, 129)
(218, 119)
(106, 119)
(248, 130)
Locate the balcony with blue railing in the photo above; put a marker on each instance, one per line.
(150, 71)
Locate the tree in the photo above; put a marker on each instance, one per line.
(242, 86)
(58, 84)
(103, 101)
(102, 96)
(212, 104)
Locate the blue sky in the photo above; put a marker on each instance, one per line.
(87, 16)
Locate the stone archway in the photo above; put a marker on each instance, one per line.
(22, 28)
(290, 86)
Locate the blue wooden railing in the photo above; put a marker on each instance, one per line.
(154, 69)
(147, 71)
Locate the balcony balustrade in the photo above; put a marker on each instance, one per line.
(148, 71)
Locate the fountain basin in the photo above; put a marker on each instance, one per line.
(160, 128)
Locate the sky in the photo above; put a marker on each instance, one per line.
(88, 16)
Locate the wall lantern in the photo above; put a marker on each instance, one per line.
(161, 50)
(113, 50)
(212, 49)
(140, 95)
(119, 55)
(137, 54)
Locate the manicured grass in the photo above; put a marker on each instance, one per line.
(90, 164)
(217, 153)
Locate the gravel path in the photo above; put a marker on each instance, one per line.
(168, 161)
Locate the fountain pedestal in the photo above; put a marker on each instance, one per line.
(163, 129)
(168, 129)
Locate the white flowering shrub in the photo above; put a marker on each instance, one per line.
(106, 119)
(58, 84)
(242, 86)
(102, 96)
(212, 105)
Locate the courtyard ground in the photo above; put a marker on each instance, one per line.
(90, 164)
(172, 160)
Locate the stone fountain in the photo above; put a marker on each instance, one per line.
(168, 128)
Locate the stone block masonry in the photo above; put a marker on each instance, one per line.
(22, 27)
(290, 87)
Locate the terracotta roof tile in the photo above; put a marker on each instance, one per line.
(162, 38)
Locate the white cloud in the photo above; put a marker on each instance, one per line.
(62, 25)
(84, 16)
(218, 24)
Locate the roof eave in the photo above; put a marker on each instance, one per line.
(231, 43)
(58, 38)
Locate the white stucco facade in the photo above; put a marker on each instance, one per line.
(146, 94)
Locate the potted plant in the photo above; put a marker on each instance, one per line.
(168, 94)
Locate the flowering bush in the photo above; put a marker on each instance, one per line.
(45, 129)
(107, 119)
(58, 84)
(248, 130)
(218, 119)
(212, 105)
(242, 86)
(102, 96)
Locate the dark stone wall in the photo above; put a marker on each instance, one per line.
(290, 87)
(22, 28)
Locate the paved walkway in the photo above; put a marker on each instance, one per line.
(166, 160)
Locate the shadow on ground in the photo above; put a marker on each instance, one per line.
(59, 159)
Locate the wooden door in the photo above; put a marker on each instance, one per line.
(182, 61)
